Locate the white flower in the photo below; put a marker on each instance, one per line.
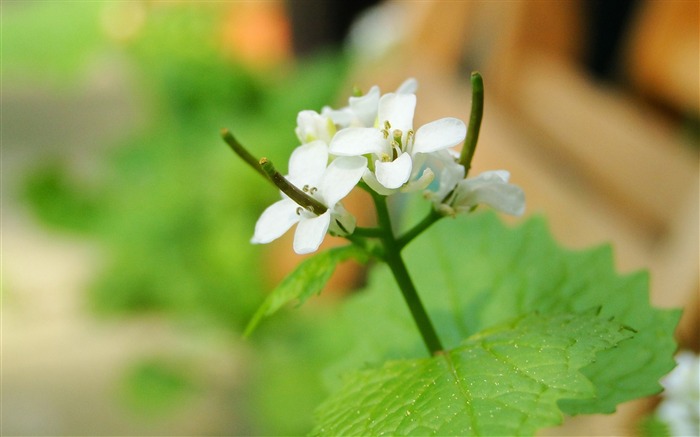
(450, 173)
(312, 126)
(362, 110)
(394, 145)
(309, 171)
(408, 86)
(680, 407)
(490, 188)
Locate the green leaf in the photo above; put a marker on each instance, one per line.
(307, 279)
(482, 273)
(505, 381)
(474, 273)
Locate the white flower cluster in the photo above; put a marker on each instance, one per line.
(373, 140)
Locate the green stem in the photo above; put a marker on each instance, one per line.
(410, 295)
(392, 256)
(300, 197)
(241, 151)
(415, 231)
(371, 247)
(477, 113)
(368, 232)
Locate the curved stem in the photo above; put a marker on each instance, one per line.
(242, 152)
(299, 196)
(392, 256)
(477, 113)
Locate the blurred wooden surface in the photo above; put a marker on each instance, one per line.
(662, 56)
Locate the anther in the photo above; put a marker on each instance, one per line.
(299, 210)
(409, 136)
(305, 188)
(312, 190)
(387, 125)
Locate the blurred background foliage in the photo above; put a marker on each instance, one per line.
(171, 207)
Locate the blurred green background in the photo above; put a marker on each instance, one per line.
(114, 174)
(128, 275)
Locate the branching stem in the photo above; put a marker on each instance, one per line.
(418, 229)
(392, 256)
(368, 232)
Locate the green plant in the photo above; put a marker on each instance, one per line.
(499, 332)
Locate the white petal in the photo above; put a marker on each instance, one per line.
(313, 126)
(355, 141)
(341, 117)
(398, 109)
(449, 178)
(340, 178)
(420, 183)
(342, 222)
(439, 134)
(409, 86)
(365, 107)
(308, 162)
(503, 175)
(420, 161)
(395, 173)
(275, 221)
(449, 173)
(490, 188)
(371, 181)
(310, 232)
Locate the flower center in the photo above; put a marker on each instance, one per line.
(308, 211)
(397, 142)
